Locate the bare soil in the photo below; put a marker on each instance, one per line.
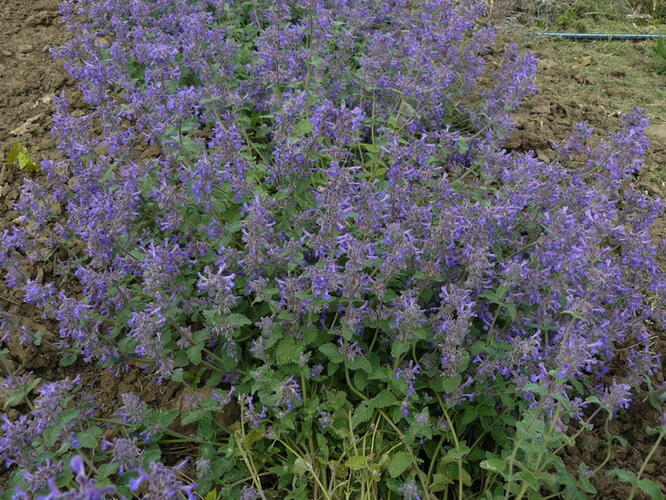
(29, 79)
(596, 82)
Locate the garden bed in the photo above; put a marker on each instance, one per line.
(593, 82)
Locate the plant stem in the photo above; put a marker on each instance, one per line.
(310, 470)
(608, 450)
(645, 462)
(422, 477)
(431, 468)
(457, 444)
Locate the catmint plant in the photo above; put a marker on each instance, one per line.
(327, 229)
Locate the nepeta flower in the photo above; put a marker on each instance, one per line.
(332, 167)
(37, 294)
(223, 399)
(18, 436)
(53, 398)
(408, 315)
(422, 418)
(616, 396)
(289, 394)
(19, 383)
(132, 410)
(203, 467)
(161, 482)
(408, 375)
(350, 350)
(86, 489)
(325, 419)
(124, 452)
(249, 493)
(38, 479)
(316, 370)
(146, 328)
(410, 491)
(404, 408)
(258, 349)
(219, 286)
(250, 413)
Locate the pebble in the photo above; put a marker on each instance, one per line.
(24, 48)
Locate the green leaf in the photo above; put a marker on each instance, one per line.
(152, 454)
(302, 127)
(19, 155)
(106, 469)
(68, 360)
(287, 352)
(399, 348)
(623, 475)
(322, 446)
(495, 296)
(423, 334)
(164, 418)
(585, 485)
(455, 455)
(12, 155)
(536, 389)
(399, 463)
(360, 380)
(177, 375)
(447, 384)
(193, 416)
(301, 466)
(528, 478)
(511, 308)
(440, 482)
(371, 148)
(194, 354)
(360, 363)
(651, 489)
(357, 463)
(252, 437)
(89, 438)
(68, 415)
(362, 413)
(14, 399)
(493, 464)
(310, 335)
(332, 352)
(236, 319)
(465, 477)
(51, 434)
(575, 315)
(383, 399)
(470, 415)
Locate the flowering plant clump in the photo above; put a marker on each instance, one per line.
(306, 206)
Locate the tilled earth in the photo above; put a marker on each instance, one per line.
(578, 82)
(29, 79)
(596, 82)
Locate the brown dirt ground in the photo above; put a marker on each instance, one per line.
(29, 78)
(597, 82)
(578, 82)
